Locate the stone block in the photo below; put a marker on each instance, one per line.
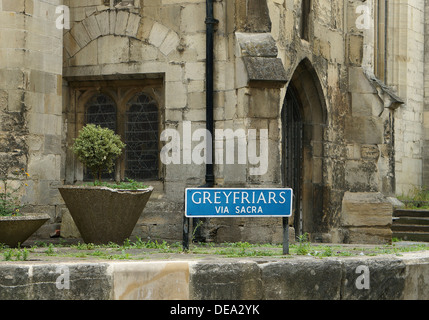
(42, 282)
(195, 71)
(262, 69)
(264, 103)
(154, 282)
(252, 16)
(11, 21)
(369, 235)
(170, 43)
(370, 152)
(158, 34)
(87, 56)
(170, 17)
(70, 44)
(39, 282)
(113, 49)
(355, 46)
(80, 34)
(133, 25)
(12, 79)
(224, 281)
(387, 278)
(103, 22)
(3, 100)
(256, 45)
(139, 51)
(367, 216)
(112, 21)
(44, 167)
(189, 23)
(177, 97)
(91, 26)
(14, 5)
(358, 82)
(365, 130)
(44, 124)
(366, 104)
(11, 280)
(121, 22)
(302, 279)
(366, 209)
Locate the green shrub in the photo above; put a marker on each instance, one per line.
(98, 148)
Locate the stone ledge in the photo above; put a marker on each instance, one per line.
(388, 277)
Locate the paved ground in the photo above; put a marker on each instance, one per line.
(75, 250)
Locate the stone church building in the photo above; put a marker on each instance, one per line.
(339, 86)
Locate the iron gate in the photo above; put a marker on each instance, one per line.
(293, 154)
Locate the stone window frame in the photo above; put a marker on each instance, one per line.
(121, 92)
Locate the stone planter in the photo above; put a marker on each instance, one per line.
(104, 215)
(16, 230)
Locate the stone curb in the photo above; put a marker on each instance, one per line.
(305, 278)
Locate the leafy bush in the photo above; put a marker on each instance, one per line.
(98, 148)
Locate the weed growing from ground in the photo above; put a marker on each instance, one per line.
(15, 254)
(10, 192)
(304, 246)
(139, 249)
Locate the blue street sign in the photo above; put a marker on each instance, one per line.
(232, 202)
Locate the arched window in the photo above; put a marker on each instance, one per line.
(141, 138)
(133, 113)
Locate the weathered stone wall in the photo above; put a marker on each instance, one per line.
(361, 134)
(31, 100)
(385, 135)
(326, 62)
(406, 66)
(167, 40)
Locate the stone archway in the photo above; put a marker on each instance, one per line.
(106, 37)
(303, 123)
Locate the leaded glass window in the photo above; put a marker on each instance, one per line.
(101, 110)
(141, 138)
(138, 125)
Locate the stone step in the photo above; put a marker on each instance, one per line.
(411, 221)
(411, 213)
(412, 236)
(410, 228)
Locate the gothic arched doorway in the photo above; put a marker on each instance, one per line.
(303, 122)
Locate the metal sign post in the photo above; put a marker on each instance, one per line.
(285, 236)
(238, 203)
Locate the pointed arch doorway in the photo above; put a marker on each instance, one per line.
(303, 120)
